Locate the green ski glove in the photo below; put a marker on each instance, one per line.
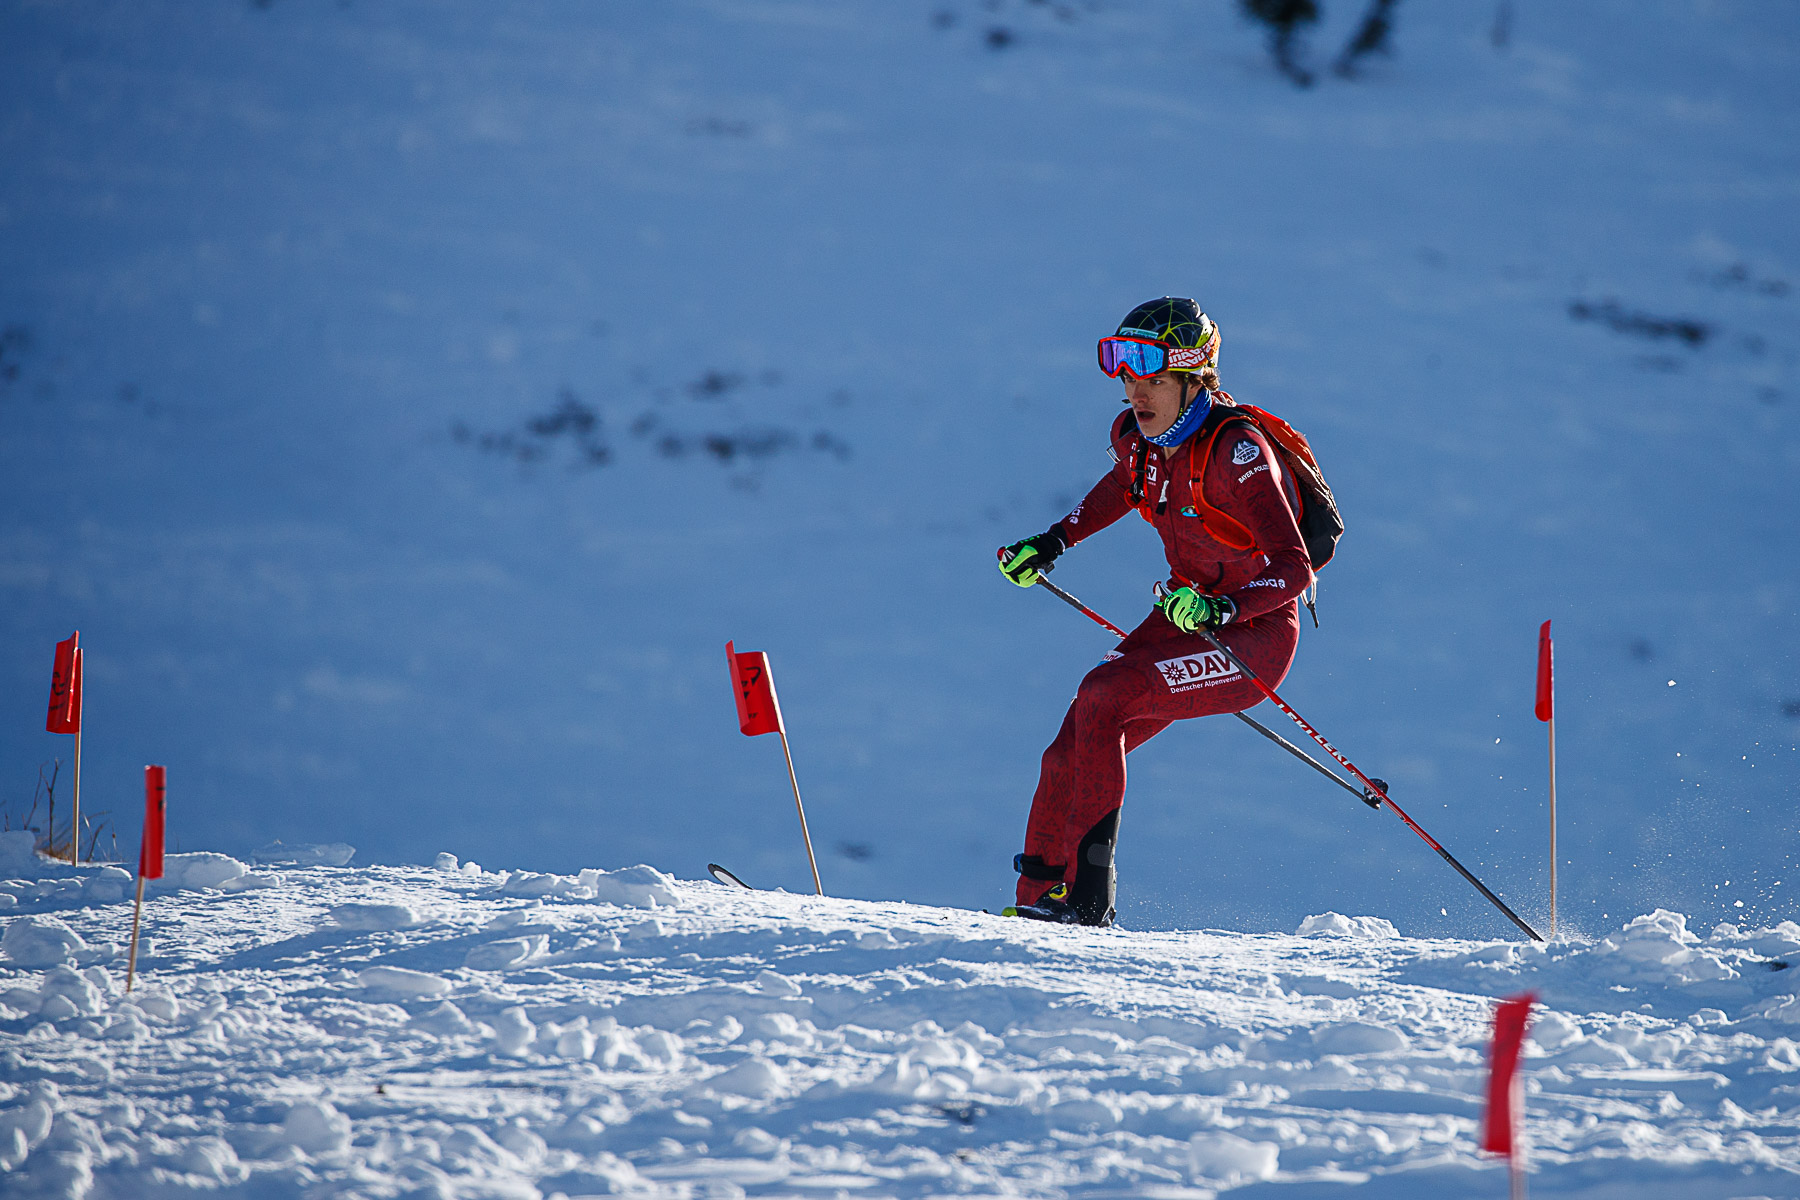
(1189, 610)
(1021, 562)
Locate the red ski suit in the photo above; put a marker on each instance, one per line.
(1159, 674)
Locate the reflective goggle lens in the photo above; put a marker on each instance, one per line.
(1139, 357)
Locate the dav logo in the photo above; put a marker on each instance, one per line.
(1196, 670)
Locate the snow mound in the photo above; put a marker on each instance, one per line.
(68, 992)
(372, 916)
(513, 1031)
(1658, 944)
(306, 854)
(18, 854)
(1226, 1158)
(108, 885)
(398, 981)
(201, 869)
(506, 953)
(536, 883)
(449, 863)
(446, 1020)
(316, 1127)
(756, 1078)
(38, 941)
(1356, 1038)
(1342, 926)
(24, 1127)
(635, 887)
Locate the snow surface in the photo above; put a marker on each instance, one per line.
(408, 399)
(447, 1032)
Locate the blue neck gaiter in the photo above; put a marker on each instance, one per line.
(1186, 423)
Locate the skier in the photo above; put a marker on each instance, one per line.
(1225, 508)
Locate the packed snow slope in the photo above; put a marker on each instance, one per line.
(450, 1032)
(408, 400)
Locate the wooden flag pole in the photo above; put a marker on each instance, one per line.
(75, 829)
(1545, 711)
(805, 834)
(1515, 1162)
(1552, 724)
(150, 851)
(136, 914)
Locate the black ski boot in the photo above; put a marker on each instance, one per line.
(1051, 906)
(1096, 878)
(1090, 900)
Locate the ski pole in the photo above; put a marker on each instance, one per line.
(1269, 693)
(1043, 578)
(1367, 797)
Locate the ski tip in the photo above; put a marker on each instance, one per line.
(726, 877)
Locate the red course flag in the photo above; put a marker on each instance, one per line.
(758, 711)
(1504, 1101)
(65, 687)
(1546, 689)
(150, 853)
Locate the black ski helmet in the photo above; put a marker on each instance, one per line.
(1178, 324)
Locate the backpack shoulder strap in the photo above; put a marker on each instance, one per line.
(1223, 527)
(1124, 425)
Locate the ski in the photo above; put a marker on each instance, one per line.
(1036, 913)
(726, 877)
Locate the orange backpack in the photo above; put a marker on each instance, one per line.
(1321, 525)
(1316, 511)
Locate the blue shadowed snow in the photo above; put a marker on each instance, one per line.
(411, 400)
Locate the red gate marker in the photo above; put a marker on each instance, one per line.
(1546, 712)
(759, 712)
(150, 854)
(65, 710)
(1505, 1094)
(64, 716)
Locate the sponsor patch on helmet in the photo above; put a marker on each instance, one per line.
(1245, 451)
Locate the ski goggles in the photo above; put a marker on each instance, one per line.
(1143, 356)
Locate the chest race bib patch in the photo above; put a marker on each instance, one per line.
(1245, 451)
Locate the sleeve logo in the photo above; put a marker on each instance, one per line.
(1245, 451)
